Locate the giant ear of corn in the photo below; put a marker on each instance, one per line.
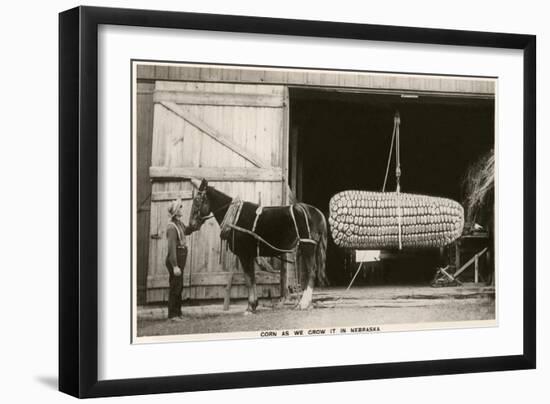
(380, 220)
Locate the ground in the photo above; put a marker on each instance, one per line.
(332, 307)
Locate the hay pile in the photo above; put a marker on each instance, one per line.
(478, 186)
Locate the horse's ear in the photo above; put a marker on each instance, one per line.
(203, 185)
(196, 182)
(199, 184)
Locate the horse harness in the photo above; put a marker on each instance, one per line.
(233, 213)
(232, 216)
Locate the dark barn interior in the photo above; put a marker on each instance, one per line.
(341, 140)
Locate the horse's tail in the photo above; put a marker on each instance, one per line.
(317, 224)
(321, 259)
(321, 251)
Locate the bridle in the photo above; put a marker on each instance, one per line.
(201, 195)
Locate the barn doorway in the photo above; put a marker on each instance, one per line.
(339, 140)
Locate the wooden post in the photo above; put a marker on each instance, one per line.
(284, 145)
(299, 180)
(476, 269)
(489, 269)
(443, 260)
(227, 295)
(457, 255)
(470, 261)
(284, 281)
(294, 160)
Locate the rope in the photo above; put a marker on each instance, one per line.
(397, 123)
(212, 214)
(228, 226)
(306, 220)
(389, 156)
(396, 139)
(237, 228)
(399, 219)
(259, 239)
(294, 221)
(231, 216)
(300, 239)
(258, 214)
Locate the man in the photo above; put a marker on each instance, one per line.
(176, 258)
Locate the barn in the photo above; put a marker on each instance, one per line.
(275, 135)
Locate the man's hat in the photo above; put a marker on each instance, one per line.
(174, 207)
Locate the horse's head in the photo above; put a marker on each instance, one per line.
(200, 208)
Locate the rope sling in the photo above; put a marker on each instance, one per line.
(395, 139)
(370, 220)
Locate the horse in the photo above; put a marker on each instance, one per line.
(253, 231)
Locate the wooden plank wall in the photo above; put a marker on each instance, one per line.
(318, 78)
(250, 119)
(144, 131)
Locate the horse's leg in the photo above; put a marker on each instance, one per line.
(250, 279)
(308, 269)
(288, 294)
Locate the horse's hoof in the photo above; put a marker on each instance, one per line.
(306, 300)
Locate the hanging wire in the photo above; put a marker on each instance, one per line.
(396, 139)
(389, 157)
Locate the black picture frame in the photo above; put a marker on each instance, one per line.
(78, 200)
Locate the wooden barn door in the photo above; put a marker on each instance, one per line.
(235, 136)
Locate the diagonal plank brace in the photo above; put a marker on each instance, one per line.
(184, 113)
(454, 277)
(474, 259)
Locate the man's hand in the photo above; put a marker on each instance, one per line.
(177, 271)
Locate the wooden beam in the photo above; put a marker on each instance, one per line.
(184, 113)
(170, 195)
(219, 99)
(158, 295)
(356, 81)
(457, 255)
(239, 174)
(214, 279)
(284, 142)
(294, 160)
(476, 269)
(451, 277)
(467, 264)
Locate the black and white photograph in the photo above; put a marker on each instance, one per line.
(275, 202)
